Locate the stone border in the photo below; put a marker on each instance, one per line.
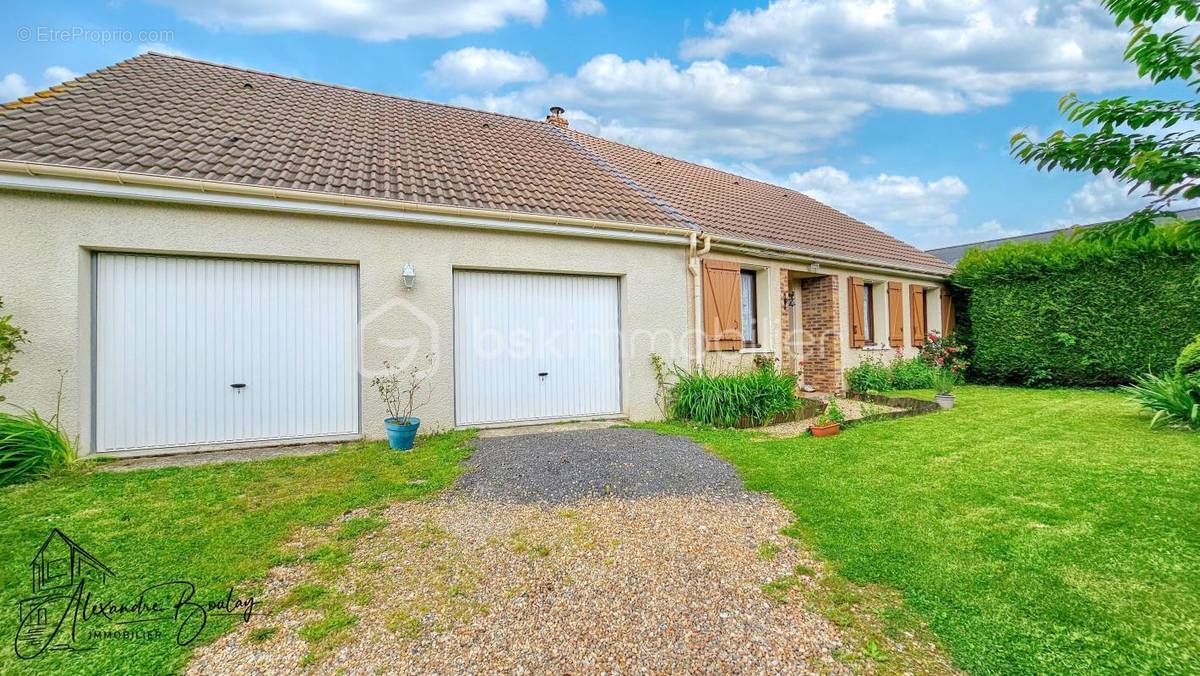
(909, 407)
(808, 408)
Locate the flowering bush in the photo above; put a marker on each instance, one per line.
(944, 352)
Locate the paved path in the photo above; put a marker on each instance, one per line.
(603, 550)
(214, 457)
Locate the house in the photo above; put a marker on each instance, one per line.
(221, 257)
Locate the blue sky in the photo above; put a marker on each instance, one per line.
(895, 111)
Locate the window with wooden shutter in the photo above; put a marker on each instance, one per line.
(916, 309)
(895, 306)
(947, 313)
(722, 291)
(854, 287)
(749, 308)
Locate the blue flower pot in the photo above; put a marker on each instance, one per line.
(401, 436)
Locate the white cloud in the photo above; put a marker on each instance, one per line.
(992, 229)
(830, 63)
(1102, 199)
(13, 87)
(707, 109)
(161, 48)
(585, 7)
(375, 20)
(478, 68)
(932, 55)
(917, 211)
(58, 74)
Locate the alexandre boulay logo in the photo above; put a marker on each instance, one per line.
(72, 609)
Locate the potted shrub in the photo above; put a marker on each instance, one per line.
(398, 388)
(829, 423)
(944, 381)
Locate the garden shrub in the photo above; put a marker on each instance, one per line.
(873, 375)
(1188, 363)
(11, 338)
(1081, 313)
(911, 374)
(723, 400)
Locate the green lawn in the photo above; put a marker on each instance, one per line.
(1037, 531)
(216, 526)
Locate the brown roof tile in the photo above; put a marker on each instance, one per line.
(166, 115)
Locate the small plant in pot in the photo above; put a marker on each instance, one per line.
(944, 380)
(829, 423)
(399, 389)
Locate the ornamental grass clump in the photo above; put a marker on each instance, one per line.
(32, 447)
(1174, 398)
(725, 400)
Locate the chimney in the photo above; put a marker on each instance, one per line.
(555, 117)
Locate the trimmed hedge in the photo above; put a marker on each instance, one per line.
(1076, 313)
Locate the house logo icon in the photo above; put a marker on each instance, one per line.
(57, 572)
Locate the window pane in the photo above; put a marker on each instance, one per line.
(749, 311)
(868, 310)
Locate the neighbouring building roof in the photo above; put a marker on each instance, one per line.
(173, 116)
(953, 254)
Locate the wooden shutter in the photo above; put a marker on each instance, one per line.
(916, 308)
(947, 312)
(722, 305)
(895, 294)
(854, 287)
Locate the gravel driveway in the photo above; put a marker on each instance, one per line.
(563, 467)
(603, 550)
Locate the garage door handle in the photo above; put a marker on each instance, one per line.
(543, 374)
(238, 386)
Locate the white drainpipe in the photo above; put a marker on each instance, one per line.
(697, 296)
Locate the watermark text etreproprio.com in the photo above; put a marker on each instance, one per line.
(96, 35)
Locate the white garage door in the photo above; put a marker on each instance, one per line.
(195, 351)
(530, 346)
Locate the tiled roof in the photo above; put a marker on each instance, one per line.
(173, 116)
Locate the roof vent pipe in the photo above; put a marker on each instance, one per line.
(555, 117)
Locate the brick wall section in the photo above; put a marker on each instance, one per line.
(820, 343)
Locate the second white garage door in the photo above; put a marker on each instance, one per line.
(535, 346)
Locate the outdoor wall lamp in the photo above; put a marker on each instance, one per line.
(789, 298)
(409, 276)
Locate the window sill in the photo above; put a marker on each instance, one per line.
(874, 348)
(755, 350)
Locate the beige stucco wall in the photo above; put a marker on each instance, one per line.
(853, 356)
(45, 279)
(770, 304)
(770, 316)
